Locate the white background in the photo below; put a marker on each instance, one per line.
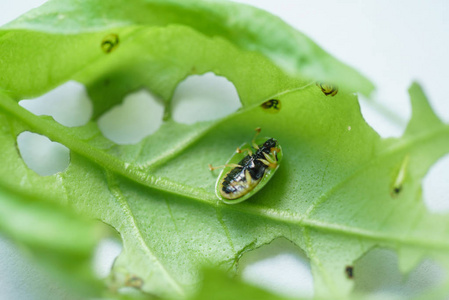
(393, 43)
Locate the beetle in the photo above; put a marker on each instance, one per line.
(244, 175)
(272, 106)
(349, 270)
(328, 89)
(110, 43)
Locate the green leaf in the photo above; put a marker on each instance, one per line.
(60, 240)
(244, 26)
(216, 286)
(339, 191)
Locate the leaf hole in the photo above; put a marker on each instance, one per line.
(203, 98)
(280, 267)
(436, 188)
(384, 122)
(138, 116)
(105, 254)
(377, 273)
(68, 104)
(42, 155)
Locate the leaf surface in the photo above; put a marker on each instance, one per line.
(246, 27)
(340, 190)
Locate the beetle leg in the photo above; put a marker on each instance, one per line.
(253, 142)
(224, 166)
(269, 158)
(244, 150)
(271, 165)
(248, 177)
(266, 162)
(274, 152)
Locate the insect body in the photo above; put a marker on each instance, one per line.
(272, 106)
(328, 89)
(349, 272)
(239, 181)
(109, 43)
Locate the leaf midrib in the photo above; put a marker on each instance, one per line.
(53, 131)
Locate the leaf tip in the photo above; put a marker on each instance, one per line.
(423, 116)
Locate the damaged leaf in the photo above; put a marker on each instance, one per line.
(340, 191)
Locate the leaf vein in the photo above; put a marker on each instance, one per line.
(116, 192)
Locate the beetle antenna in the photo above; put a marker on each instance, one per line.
(253, 142)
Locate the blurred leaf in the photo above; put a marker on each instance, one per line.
(72, 29)
(218, 286)
(61, 241)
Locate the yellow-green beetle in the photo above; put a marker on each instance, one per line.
(328, 89)
(244, 175)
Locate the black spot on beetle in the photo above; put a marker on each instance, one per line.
(272, 105)
(349, 270)
(110, 43)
